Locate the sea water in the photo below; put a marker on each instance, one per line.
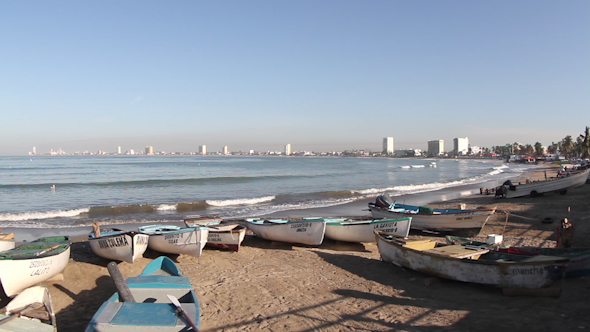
(69, 191)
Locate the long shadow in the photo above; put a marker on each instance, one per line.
(81, 252)
(76, 316)
(483, 306)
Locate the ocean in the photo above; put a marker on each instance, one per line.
(72, 191)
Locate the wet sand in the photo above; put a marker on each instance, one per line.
(339, 286)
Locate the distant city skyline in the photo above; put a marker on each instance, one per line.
(324, 75)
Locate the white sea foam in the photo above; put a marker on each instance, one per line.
(240, 201)
(166, 207)
(22, 216)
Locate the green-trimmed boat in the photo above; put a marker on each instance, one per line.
(33, 262)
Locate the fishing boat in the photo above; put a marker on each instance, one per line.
(29, 311)
(33, 262)
(116, 244)
(173, 239)
(198, 220)
(150, 306)
(450, 221)
(579, 265)
(362, 229)
(226, 236)
(559, 184)
(7, 241)
(471, 264)
(302, 231)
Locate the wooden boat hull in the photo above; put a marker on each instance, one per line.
(310, 232)
(226, 236)
(38, 318)
(464, 222)
(197, 221)
(579, 265)
(152, 310)
(7, 245)
(119, 245)
(20, 268)
(363, 229)
(182, 241)
(561, 184)
(471, 265)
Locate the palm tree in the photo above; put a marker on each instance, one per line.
(567, 146)
(585, 144)
(538, 149)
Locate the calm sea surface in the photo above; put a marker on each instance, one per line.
(123, 189)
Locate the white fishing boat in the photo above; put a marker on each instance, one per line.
(558, 184)
(362, 229)
(303, 231)
(225, 236)
(173, 239)
(7, 241)
(449, 221)
(33, 262)
(471, 264)
(116, 244)
(199, 220)
(30, 311)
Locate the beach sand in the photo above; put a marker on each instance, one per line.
(339, 286)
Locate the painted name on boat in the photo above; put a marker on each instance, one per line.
(40, 267)
(120, 241)
(524, 271)
(141, 240)
(213, 237)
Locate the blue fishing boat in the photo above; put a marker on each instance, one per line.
(161, 299)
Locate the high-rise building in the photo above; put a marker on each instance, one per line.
(34, 150)
(149, 150)
(288, 149)
(118, 149)
(388, 145)
(436, 147)
(203, 149)
(225, 150)
(461, 146)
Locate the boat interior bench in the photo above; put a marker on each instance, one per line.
(458, 251)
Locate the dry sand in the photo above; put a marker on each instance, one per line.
(338, 286)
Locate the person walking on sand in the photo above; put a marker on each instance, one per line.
(565, 233)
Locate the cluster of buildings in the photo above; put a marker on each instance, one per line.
(436, 148)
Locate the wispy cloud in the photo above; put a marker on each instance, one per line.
(136, 100)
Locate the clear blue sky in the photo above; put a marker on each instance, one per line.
(320, 75)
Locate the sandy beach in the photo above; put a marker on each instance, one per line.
(339, 286)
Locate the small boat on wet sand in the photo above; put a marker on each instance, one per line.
(116, 244)
(146, 304)
(578, 266)
(558, 184)
(303, 231)
(173, 239)
(7, 241)
(33, 262)
(471, 264)
(226, 236)
(449, 221)
(197, 221)
(362, 229)
(29, 311)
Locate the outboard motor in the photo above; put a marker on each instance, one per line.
(384, 201)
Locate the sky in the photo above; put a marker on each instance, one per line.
(321, 75)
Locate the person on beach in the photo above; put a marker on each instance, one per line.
(565, 233)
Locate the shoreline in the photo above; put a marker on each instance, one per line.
(351, 209)
(341, 286)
